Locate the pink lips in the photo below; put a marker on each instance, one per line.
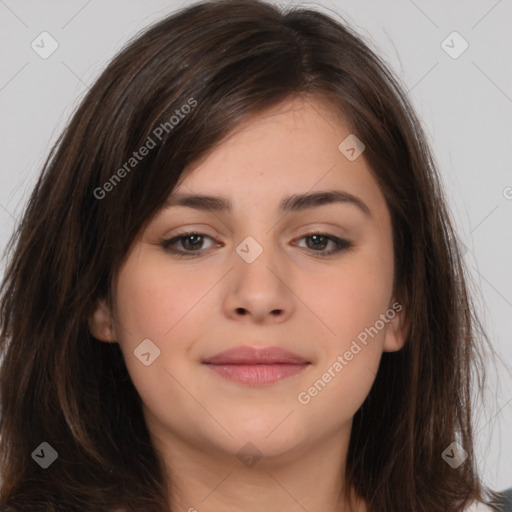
(248, 365)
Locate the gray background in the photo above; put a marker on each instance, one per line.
(465, 104)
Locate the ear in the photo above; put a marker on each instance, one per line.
(396, 328)
(101, 325)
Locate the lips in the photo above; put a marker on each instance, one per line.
(253, 366)
(250, 355)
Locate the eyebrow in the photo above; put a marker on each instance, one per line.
(293, 203)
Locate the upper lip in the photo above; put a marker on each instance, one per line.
(254, 355)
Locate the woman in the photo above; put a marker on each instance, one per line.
(236, 286)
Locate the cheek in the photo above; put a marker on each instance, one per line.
(149, 308)
(358, 294)
(153, 298)
(351, 297)
(333, 397)
(351, 352)
(160, 304)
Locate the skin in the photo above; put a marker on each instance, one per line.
(290, 297)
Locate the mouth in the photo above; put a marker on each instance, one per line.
(256, 366)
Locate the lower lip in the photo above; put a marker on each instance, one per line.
(256, 374)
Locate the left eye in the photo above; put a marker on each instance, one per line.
(192, 244)
(320, 240)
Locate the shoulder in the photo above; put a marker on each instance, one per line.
(505, 501)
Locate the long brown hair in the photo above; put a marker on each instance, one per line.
(226, 60)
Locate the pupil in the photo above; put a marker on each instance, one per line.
(193, 237)
(316, 237)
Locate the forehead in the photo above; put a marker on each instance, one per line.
(291, 148)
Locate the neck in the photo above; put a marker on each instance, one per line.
(207, 479)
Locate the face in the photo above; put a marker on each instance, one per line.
(314, 279)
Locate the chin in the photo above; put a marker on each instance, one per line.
(269, 434)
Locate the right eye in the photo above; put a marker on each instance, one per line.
(189, 241)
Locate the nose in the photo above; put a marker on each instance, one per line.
(260, 290)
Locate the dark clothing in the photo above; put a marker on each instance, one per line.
(505, 502)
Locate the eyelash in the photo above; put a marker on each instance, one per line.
(341, 244)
